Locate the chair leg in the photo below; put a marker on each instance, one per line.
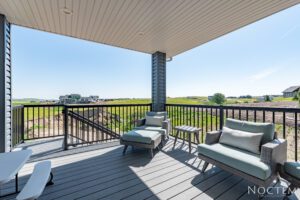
(151, 153)
(197, 137)
(190, 142)
(124, 150)
(204, 167)
(50, 181)
(289, 191)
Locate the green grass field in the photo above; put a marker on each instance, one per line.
(196, 100)
(34, 113)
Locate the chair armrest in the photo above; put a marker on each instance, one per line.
(274, 153)
(140, 122)
(167, 126)
(212, 137)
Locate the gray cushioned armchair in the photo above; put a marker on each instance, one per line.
(165, 129)
(261, 168)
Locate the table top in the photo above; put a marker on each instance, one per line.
(11, 163)
(189, 129)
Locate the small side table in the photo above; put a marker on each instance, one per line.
(187, 130)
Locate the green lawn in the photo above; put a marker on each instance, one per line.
(197, 100)
(18, 103)
(280, 99)
(177, 100)
(41, 112)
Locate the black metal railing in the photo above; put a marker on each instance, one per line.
(86, 124)
(43, 121)
(209, 118)
(17, 131)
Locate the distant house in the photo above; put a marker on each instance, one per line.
(69, 99)
(291, 91)
(77, 98)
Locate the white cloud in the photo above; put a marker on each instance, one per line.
(264, 74)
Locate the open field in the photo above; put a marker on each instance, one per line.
(198, 100)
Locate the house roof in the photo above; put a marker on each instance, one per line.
(292, 89)
(170, 26)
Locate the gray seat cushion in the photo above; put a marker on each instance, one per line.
(268, 129)
(141, 136)
(292, 168)
(152, 128)
(236, 158)
(151, 113)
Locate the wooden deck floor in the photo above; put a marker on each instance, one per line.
(103, 173)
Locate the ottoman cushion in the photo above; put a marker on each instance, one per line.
(141, 136)
(152, 128)
(292, 168)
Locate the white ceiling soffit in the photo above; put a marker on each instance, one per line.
(171, 26)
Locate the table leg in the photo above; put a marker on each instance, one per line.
(16, 188)
(176, 136)
(17, 183)
(190, 142)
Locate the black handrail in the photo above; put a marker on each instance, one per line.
(93, 124)
(212, 117)
(43, 121)
(17, 134)
(86, 124)
(47, 120)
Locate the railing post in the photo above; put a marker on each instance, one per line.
(221, 117)
(66, 127)
(23, 125)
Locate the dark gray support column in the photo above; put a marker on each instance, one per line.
(5, 85)
(158, 81)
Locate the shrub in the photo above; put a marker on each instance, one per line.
(268, 98)
(296, 96)
(218, 98)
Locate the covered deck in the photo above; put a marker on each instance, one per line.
(102, 172)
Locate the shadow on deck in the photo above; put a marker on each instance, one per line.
(102, 172)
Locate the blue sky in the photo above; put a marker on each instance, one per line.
(262, 58)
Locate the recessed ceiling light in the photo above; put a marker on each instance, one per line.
(67, 11)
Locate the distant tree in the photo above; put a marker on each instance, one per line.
(218, 98)
(246, 97)
(296, 96)
(268, 98)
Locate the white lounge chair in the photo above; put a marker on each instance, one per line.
(40, 177)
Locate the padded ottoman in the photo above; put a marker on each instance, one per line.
(141, 138)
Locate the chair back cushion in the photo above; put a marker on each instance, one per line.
(268, 129)
(154, 120)
(241, 139)
(151, 113)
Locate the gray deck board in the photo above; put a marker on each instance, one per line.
(102, 172)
